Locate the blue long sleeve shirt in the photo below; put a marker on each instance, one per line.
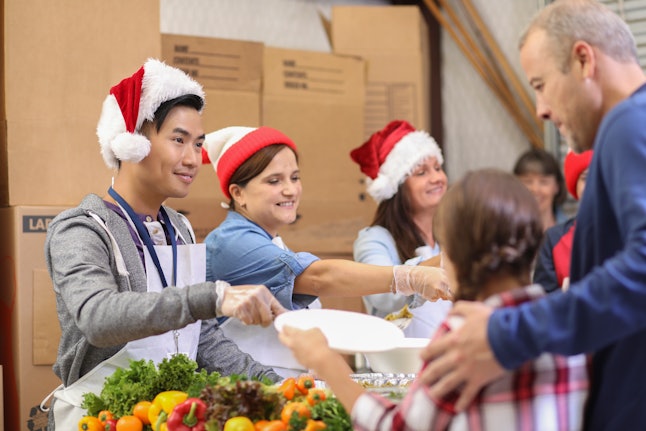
(604, 311)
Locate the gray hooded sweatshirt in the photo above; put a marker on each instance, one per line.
(100, 311)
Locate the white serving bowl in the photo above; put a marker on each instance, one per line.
(404, 358)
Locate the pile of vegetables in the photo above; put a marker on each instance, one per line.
(175, 396)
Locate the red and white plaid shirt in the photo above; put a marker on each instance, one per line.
(545, 394)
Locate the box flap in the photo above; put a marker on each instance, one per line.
(216, 63)
(313, 76)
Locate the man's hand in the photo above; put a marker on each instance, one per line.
(252, 304)
(462, 359)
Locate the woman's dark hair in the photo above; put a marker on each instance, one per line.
(254, 165)
(488, 225)
(395, 215)
(541, 162)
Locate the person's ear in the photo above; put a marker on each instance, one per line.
(236, 194)
(584, 57)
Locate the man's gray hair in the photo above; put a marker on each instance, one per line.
(568, 21)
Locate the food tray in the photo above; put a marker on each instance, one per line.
(391, 385)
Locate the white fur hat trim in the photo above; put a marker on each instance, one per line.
(159, 84)
(407, 154)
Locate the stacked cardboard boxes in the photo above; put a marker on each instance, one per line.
(59, 61)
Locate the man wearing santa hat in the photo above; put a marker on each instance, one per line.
(128, 276)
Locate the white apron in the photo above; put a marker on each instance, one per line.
(263, 344)
(191, 269)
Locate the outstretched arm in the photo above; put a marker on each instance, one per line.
(338, 277)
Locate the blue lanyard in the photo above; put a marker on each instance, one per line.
(145, 236)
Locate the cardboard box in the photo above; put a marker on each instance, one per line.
(394, 42)
(317, 100)
(231, 73)
(60, 60)
(30, 328)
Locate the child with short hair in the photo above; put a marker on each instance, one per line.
(489, 227)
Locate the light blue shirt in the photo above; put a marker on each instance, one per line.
(241, 252)
(376, 246)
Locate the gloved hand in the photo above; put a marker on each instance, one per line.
(252, 304)
(429, 282)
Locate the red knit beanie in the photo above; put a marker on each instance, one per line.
(227, 149)
(573, 166)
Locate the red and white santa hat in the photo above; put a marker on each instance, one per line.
(227, 149)
(391, 154)
(134, 100)
(573, 166)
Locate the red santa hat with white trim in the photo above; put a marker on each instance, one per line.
(227, 149)
(391, 155)
(134, 100)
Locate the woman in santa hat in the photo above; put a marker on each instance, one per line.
(405, 177)
(259, 174)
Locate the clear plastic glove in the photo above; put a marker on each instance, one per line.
(251, 304)
(429, 282)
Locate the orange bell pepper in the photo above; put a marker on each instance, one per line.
(313, 425)
(305, 383)
(90, 423)
(315, 396)
(288, 388)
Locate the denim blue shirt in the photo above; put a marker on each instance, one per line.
(241, 252)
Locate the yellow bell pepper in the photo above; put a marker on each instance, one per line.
(162, 406)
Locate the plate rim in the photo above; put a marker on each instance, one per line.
(397, 336)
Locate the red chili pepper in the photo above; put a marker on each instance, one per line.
(187, 416)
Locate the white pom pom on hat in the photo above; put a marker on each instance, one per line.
(230, 147)
(133, 101)
(390, 155)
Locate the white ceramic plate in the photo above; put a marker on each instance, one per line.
(346, 331)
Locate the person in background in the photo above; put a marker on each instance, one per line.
(405, 177)
(490, 229)
(128, 278)
(540, 172)
(552, 269)
(259, 174)
(581, 60)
